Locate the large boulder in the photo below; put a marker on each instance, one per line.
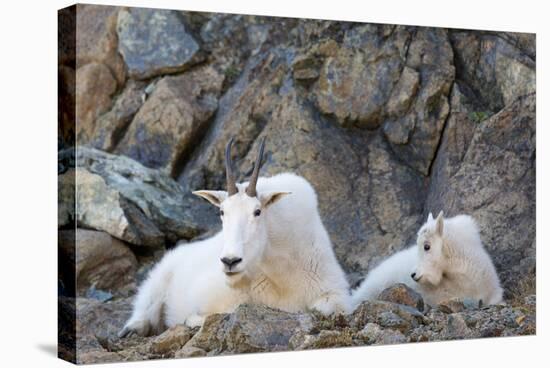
(402, 294)
(134, 203)
(251, 328)
(356, 80)
(154, 42)
(172, 339)
(110, 127)
(100, 260)
(172, 119)
(102, 207)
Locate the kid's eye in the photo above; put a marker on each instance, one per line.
(426, 246)
(257, 213)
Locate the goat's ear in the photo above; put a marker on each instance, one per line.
(216, 197)
(430, 217)
(439, 224)
(267, 199)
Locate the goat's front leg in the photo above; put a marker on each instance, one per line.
(147, 317)
(328, 303)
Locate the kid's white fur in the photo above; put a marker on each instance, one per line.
(455, 265)
(287, 261)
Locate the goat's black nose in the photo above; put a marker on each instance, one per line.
(230, 262)
(413, 274)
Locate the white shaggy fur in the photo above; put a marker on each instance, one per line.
(448, 261)
(287, 261)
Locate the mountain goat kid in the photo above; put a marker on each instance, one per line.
(273, 249)
(448, 261)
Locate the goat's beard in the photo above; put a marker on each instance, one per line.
(237, 281)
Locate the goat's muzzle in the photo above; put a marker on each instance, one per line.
(230, 264)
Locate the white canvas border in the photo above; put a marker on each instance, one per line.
(28, 185)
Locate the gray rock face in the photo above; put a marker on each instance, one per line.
(149, 206)
(111, 126)
(357, 81)
(394, 76)
(154, 41)
(172, 119)
(241, 113)
(431, 55)
(487, 170)
(498, 67)
(102, 207)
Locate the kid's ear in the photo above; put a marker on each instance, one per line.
(216, 197)
(430, 217)
(439, 224)
(268, 199)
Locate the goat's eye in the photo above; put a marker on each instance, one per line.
(257, 213)
(221, 212)
(426, 246)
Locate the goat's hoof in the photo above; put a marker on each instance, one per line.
(324, 307)
(129, 332)
(125, 332)
(139, 328)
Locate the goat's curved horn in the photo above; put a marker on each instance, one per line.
(231, 186)
(251, 189)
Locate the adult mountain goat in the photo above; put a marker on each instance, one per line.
(448, 261)
(273, 249)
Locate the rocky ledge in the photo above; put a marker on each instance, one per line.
(257, 328)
